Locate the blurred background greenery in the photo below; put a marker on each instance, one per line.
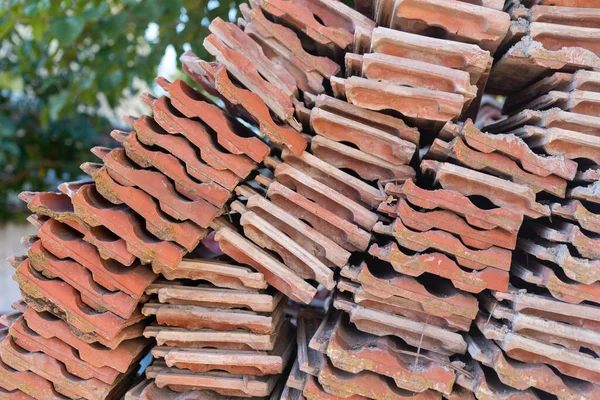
(67, 66)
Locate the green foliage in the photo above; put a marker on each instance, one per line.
(58, 58)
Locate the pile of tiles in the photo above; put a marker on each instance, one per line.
(461, 262)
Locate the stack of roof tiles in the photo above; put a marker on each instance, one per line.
(461, 262)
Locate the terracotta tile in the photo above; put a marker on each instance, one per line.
(412, 332)
(250, 101)
(523, 376)
(241, 362)
(314, 391)
(324, 249)
(147, 390)
(576, 315)
(579, 269)
(301, 18)
(65, 243)
(346, 234)
(52, 370)
(287, 38)
(58, 297)
(401, 306)
(81, 279)
(447, 243)
(325, 196)
(150, 133)
(553, 332)
(307, 357)
(277, 274)
(414, 73)
(555, 37)
(353, 188)
(124, 222)
(529, 350)
(219, 382)
(367, 166)
(120, 358)
(575, 210)
(589, 175)
(277, 97)
(459, 21)
(563, 289)
(553, 118)
(460, 204)
(587, 244)
(196, 317)
(185, 233)
(366, 384)
(30, 341)
(559, 81)
(173, 168)
(449, 222)
(441, 265)
(296, 379)
(294, 256)
(12, 380)
(233, 40)
(383, 122)
(232, 135)
(306, 79)
(485, 388)
(414, 103)
(569, 15)
(496, 164)
(209, 296)
(515, 148)
(442, 301)
(14, 395)
(219, 273)
(576, 101)
(58, 206)
(354, 351)
(465, 57)
(339, 15)
(499, 191)
(369, 139)
(589, 193)
(207, 338)
(534, 62)
(197, 133)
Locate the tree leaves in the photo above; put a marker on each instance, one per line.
(67, 29)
